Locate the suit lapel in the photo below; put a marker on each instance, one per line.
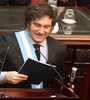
(16, 48)
(51, 50)
(14, 41)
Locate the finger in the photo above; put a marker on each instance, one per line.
(16, 80)
(71, 89)
(22, 76)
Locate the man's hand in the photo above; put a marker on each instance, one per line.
(71, 87)
(64, 0)
(14, 77)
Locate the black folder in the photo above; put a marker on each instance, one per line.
(36, 71)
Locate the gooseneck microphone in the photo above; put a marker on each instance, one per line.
(72, 77)
(60, 77)
(4, 59)
(2, 95)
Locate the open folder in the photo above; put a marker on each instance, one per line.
(36, 71)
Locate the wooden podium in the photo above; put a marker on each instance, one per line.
(40, 94)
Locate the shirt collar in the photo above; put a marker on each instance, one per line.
(43, 43)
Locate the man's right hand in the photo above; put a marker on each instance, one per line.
(14, 77)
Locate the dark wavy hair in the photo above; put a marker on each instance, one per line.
(38, 10)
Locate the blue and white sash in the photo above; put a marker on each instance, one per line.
(27, 49)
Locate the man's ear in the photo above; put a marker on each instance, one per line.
(27, 25)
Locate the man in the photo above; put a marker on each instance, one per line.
(40, 19)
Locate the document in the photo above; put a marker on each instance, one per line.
(36, 71)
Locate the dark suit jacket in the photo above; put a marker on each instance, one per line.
(14, 60)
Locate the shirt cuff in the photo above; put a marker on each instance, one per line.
(2, 77)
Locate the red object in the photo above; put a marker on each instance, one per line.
(8, 4)
(33, 1)
(75, 3)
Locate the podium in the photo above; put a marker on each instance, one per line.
(40, 94)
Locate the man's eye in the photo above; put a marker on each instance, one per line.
(46, 26)
(37, 25)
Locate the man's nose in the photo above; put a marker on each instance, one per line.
(41, 30)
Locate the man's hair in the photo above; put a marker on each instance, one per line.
(38, 10)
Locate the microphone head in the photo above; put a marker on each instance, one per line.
(73, 74)
(74, 69)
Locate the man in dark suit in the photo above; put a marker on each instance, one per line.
(39, 23)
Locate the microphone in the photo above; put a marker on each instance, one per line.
(60, 77)
(72, 77)
(2, 95)
(4, 59)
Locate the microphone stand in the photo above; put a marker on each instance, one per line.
(2, 95)
(60, 77)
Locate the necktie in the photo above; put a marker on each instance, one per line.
(37, 50)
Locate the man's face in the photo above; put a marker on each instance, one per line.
(40, 28)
